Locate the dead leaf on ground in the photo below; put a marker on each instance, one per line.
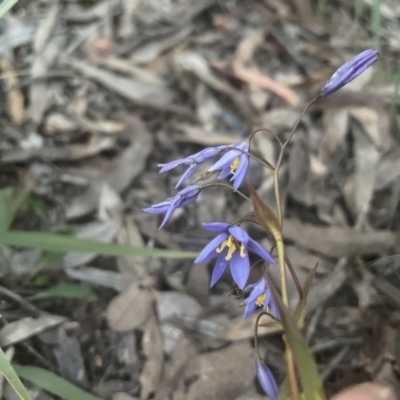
(223, 374)
(129, 165)
(15, 98)
(153, 349)
(339, 241)
(24, 328)
(130, 309)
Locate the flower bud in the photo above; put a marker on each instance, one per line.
(350, 71)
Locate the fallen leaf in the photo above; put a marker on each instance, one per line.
(128, 166)
(338, 241)
(152, 344)
(130, 309)
(15, 98)
(24, 328)
(223, 374)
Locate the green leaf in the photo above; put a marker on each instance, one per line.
(68, 291)
(284, 389)
(265, 216)
(9, 373)
(53, 383)
(5, 6)
(306, 366)
(10, 203)
(61, 243)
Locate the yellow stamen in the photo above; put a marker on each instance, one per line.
(242, 253)
(230, 244)
(260, 300)
(235, 165)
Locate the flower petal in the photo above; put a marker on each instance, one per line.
(216, 226)
(171, 165)
(250, 308)
(187, 174)
(239, 234)
(241, 172)
(209, 251)
(240, 268)
(219, 268)
(267, 380)
(254, 246)
(225, 160)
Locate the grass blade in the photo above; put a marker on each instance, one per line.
(5, 6)
(9, 373)
(53, 383)
(62, 243)
(376, 23)
(67, 291)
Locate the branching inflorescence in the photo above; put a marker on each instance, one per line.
(232, 243)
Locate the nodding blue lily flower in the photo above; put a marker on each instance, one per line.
(267, 380)
(231, 246)
(193, 161)
(182, 198)
(350, 71)
(260, 295)
(235, 163)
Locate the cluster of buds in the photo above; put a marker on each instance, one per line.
(232, 243)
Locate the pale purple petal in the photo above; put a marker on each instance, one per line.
(219, 268)
(225, 172)
(254, 246)
(267, 380)
(241, 172)
(216, 226)
(171, 165)
(187, 174)
(226, 159)
(240, 268)
(209, 251)
(168, 215)
(239, 234)
(249, 309)
(158, 208)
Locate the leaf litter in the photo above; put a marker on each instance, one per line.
(95, 95)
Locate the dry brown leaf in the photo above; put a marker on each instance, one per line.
(46, 28)
(130, 309)
(153, 349)
(223, 374)
(388, 169)
(339, 241)
(197, 65)
(198, 284)
(255, 77)
(127, 27)
(366, 160)
(239, 328)
(335, 128)
(15, 98)
(150, 51)
(247, 47)
(152, 95)
(131, 268)
(195, 134)
(25, 328)
(59, 123)
(128, 166)
(102, 126)
(375, 124)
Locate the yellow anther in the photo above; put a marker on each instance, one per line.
(242, 249)
(260, 300)
(235, 165)
(230, 244)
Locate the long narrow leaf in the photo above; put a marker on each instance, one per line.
(309, 376)
(53, 383)
(9, 373)
(63, 243)
(5, 6)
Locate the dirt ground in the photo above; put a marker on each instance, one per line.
(95, 94)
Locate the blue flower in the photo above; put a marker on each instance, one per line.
(267, 380)
(182, 198)
(350, 71)
(235, 163)
(193, 161)
(231, 245)
(259, 296)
